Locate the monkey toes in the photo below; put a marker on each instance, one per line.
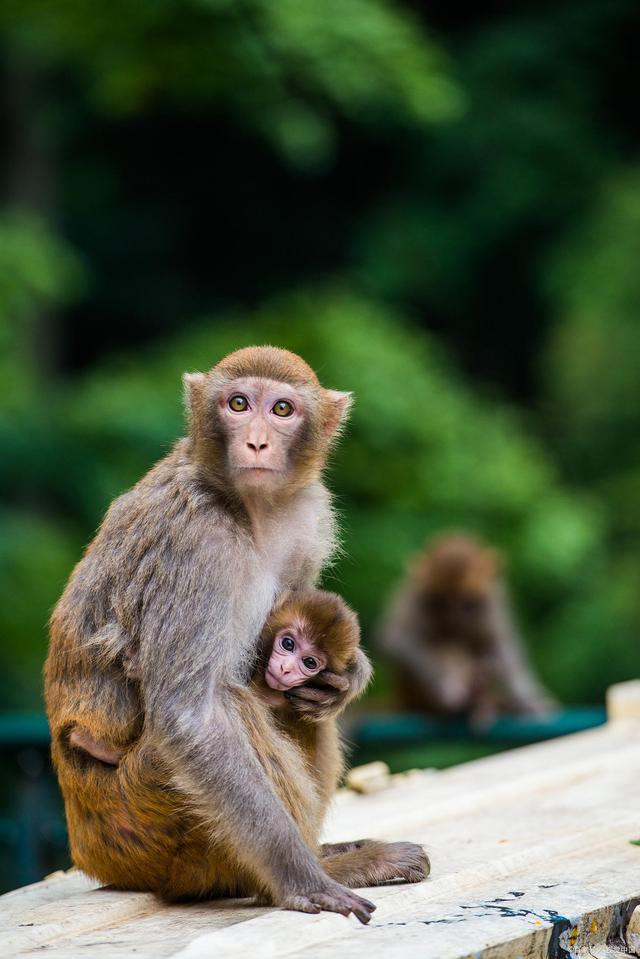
(408, 861)
(369, 862)
(333, 899)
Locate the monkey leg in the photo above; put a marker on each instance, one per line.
(368, 862)
(131, 827)
(127, 825)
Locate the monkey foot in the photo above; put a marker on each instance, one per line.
(409, 860)
(369, 862)
(338, 899)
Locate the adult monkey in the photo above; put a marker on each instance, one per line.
(180, 579)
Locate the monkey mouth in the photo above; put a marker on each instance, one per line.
(256, 470)
(274, 682)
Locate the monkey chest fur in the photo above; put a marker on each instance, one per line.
(291, 546)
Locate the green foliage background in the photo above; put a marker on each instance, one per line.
(440, 215)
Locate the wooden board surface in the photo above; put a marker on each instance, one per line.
(532, 856)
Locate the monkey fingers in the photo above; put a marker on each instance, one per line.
(312, 694)
(334, 680)
(336, 848)
(312, 703)
(320, 701)
(338, 900)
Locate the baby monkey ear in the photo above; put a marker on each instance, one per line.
(337, 408)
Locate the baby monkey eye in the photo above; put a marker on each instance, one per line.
(310, 662)
(238, 403)
(287, 643)
(282, 408)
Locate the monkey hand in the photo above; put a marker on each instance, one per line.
(326, 698)
(330, 692)
(331, 897)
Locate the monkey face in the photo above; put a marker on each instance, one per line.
(263, 421)
(294, 659)
(455, 613)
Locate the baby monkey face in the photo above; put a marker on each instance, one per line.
(294, 659)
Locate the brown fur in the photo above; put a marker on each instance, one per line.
(152, 645)
(451, 637)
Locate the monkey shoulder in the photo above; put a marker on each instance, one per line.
(165, 516)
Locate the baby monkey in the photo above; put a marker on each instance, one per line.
(309, 641)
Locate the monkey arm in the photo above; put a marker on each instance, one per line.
(520, 687)
(403, 638)
(415, 661)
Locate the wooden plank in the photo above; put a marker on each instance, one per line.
(38, 925)
(513, 916)
(531, 853)
(623, 700)
(531, 771)
(54, 888)
(155, 935)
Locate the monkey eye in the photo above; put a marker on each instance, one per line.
(310, 663)
(238, 403)
(282, 408)
(287, 643)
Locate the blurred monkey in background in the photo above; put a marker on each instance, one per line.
(450, 635)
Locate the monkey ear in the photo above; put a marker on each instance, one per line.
(193, 384)
(336, 410)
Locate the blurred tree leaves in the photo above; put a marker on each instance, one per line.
(483, 185)
(283, 66)
(36, 556)
(592, 372)
(422, 452)
(37, 270)
(462, 232)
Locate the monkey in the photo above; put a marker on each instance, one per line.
(310, 638)
(179, 580)
(450, 636)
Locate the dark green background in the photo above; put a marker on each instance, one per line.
(440, 211)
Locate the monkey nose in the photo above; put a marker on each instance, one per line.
(257, 447)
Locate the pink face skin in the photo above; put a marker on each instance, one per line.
(262, 418)
(294, 660)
